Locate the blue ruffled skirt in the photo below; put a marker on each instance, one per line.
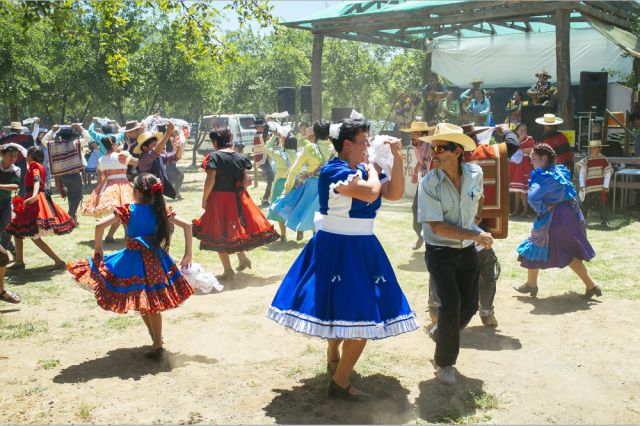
(343, 287)
(278, 187)
(299, 206)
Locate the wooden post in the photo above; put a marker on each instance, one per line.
(563, 68)
(316, 77)
(426, 75)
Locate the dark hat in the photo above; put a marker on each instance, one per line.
(471, 130)
(130, 126)
(259, 122)
(65, 133)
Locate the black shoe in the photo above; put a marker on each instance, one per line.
(593, 291)
(526, 288)
(154, 354)
(335, 391)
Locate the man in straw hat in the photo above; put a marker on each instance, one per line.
(422, 151)
(543, 89)
(468, 94)
(557, 140)
(594, 176)
(449, 201)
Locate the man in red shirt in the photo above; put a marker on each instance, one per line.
(557, 141)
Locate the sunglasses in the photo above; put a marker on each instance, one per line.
(439, 149)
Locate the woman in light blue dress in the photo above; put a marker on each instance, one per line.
(480, 105)
(342, 286)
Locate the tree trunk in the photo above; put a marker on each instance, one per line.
(316, 77)
(563, 68)
(64, 109)
(13, 112)
(84, 113)
(426, 75)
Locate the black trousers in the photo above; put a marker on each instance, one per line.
(455, 275)
(594, 200)
(176, 177)
(73, 183)
(489, 269)
(269, 176)
(5, 219)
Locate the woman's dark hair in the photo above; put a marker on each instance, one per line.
(520, 125)
(321, 130)
(349, 129)
(36, 154)
(545, 150)
(222, 136)
(108, 142)
(107, 129)
(291, 142)
(144, 183)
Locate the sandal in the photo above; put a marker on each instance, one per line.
(8, 297)
(16, 266)
(58, 266)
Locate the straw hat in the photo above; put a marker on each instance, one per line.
(549, 120)
(144, 138)
(418, 126)
(451, 133)
(596, 143)
(476, 81)
(543, 72)
(15, 125)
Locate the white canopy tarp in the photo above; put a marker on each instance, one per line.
(511, 60)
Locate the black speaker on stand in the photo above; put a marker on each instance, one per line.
(338, 114)
(593, 91)
(529, 115)
(305, 99)
(287, 100)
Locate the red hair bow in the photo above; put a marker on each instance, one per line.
(18, 204)
(157, 187)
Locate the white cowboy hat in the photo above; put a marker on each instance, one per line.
(450, 133)
(418, 126)
(549, 120)
(596, 143)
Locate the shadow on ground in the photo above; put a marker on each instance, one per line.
(308, 403)
(28, 275)
(488, 339)
(127, 363)
(439, 403)
(558, 305)
(416, 263)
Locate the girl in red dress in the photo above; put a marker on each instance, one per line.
(37, 215)
(231, 222)
(520, 169)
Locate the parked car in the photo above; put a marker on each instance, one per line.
(242, 127)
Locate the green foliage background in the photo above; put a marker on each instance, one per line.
(68, 61)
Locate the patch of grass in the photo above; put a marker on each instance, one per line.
(48, 364)
(84, 412)
(120, 323)
(202, 316)
(20, 330)
(33, 391)
(484, 401)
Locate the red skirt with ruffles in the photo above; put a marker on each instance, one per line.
(157, 287)
(221, 227)
(40, 218)
(519, 175)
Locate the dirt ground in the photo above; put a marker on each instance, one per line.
(556, 359)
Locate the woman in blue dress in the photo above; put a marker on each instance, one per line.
(481, 106)
(141, 277)
(342, 286)
(559, 236)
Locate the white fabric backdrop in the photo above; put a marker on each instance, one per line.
(511, 60)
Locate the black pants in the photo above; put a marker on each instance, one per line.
(417, 227)
(5, 219)
(73, 184)
(594, 200)
(269, 176)
(175, 176)
(455, 275)
(22, 165)
(489, 269)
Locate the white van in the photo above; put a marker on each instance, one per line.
(242, 127)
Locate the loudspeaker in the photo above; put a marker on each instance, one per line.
(593, 91)
(287, 100)
(338, 114)
(305, 99)
(529, 115)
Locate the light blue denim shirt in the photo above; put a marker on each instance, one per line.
(97, 137)
(439, 201)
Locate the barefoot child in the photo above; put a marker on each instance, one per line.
(37, 214)
(141, 277)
